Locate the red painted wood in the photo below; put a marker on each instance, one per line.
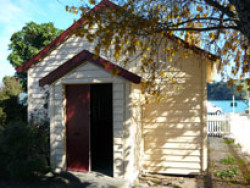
(77, 127)
(87, 56)
(103, 4)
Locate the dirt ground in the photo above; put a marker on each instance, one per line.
(69, 180)
(228, 168)
(156, 180)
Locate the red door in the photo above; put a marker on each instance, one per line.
(77, 127)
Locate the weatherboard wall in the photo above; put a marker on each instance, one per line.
(174, 131)
(170, 137)
(88, 73)
(54, 95)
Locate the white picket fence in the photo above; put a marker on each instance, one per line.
(217, 125)
(234, 126)
(240, 129)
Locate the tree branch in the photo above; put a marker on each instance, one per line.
(199, 29)
(199, 19)
(225, 10)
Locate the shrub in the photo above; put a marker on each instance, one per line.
(13, 110)
(230, 160)
(2, 118)
(22, 154)
(24, 148)
(230, 173)
(9, 93)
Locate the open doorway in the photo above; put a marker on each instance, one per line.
(101, 128)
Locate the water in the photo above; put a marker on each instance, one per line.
(240, 106)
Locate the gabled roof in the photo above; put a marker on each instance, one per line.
(63, 36)
(68, 32)
(89, 57)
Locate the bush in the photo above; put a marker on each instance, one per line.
(2, 118)
(230, 173)
(229, 160)
(23, 150)
(13, 110)
(9, 93)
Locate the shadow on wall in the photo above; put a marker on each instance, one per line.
(172, 128)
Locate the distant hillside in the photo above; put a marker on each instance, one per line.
(220, 91)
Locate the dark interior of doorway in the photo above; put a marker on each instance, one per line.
(101, 129)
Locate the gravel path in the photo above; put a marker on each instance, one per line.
(226, 167)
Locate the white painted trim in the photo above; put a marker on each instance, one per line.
(52, 126)
(63, 87)
(92, 80)
(203, 115)
(63, 165)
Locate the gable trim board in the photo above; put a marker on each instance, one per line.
(98, 8)
(64, 35)
(122, 162)
(87, 56)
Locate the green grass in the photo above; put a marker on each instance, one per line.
(235, 181)
(230, 173)
(213, 166)
(230, 160)
(241, 162)
(176, 186)
(229, 141)
(237, 145)
(156, 181)
(247, 177)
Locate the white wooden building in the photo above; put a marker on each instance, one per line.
(107, 116)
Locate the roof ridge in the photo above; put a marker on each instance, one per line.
(63, 36)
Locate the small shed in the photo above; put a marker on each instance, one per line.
(100, 122)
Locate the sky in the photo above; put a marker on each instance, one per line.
(14, 14)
